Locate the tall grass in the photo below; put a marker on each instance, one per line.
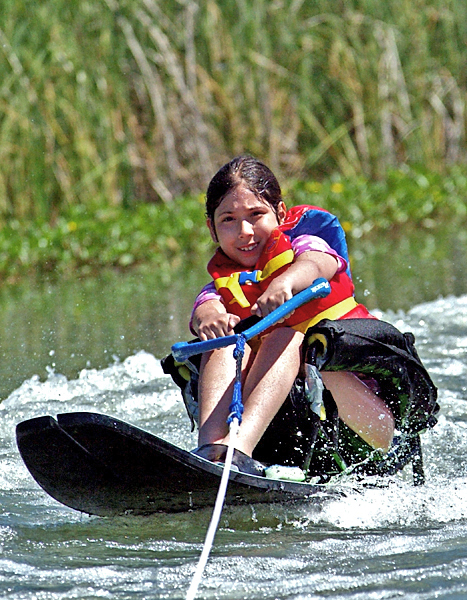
(110, 102)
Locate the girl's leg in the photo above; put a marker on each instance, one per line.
(267, 384)
(362, 410)
(215, 390)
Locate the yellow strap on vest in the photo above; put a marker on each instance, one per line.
(333, 312)
(231, 282)
(276, 263)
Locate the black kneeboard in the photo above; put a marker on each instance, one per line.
(102, 466)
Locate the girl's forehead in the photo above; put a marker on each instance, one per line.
(240, 198)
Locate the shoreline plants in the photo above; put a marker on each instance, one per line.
(164, 237)
(108, 104)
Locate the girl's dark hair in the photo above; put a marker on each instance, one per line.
(249, 172)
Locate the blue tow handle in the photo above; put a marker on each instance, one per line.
(320, 288)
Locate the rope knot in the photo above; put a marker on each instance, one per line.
(239, 349)
(236, 406)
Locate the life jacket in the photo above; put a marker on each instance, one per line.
(240, 289)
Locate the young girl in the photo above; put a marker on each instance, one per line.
(248, 219)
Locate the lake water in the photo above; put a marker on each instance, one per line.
(91, 345)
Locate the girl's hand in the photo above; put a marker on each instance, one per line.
(211, 320)
(219, 327)
(276, 294)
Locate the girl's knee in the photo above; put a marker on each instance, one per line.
(361, 409)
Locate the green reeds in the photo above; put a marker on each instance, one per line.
(111, 102)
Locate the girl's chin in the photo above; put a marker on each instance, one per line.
(248, 262)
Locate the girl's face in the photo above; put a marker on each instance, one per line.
(242, 225)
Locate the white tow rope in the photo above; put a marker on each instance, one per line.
(216, 514)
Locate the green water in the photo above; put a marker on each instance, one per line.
(77, 323)
(400, 268)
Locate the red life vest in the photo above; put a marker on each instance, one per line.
(240, 289)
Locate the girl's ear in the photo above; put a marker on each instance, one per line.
(281, 212)
(212, 230)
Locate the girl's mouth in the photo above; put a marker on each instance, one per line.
(248, 248)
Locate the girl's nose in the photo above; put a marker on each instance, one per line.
(246, 228)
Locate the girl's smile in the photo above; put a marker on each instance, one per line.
(242, 225)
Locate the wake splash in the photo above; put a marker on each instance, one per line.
(135, 390)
